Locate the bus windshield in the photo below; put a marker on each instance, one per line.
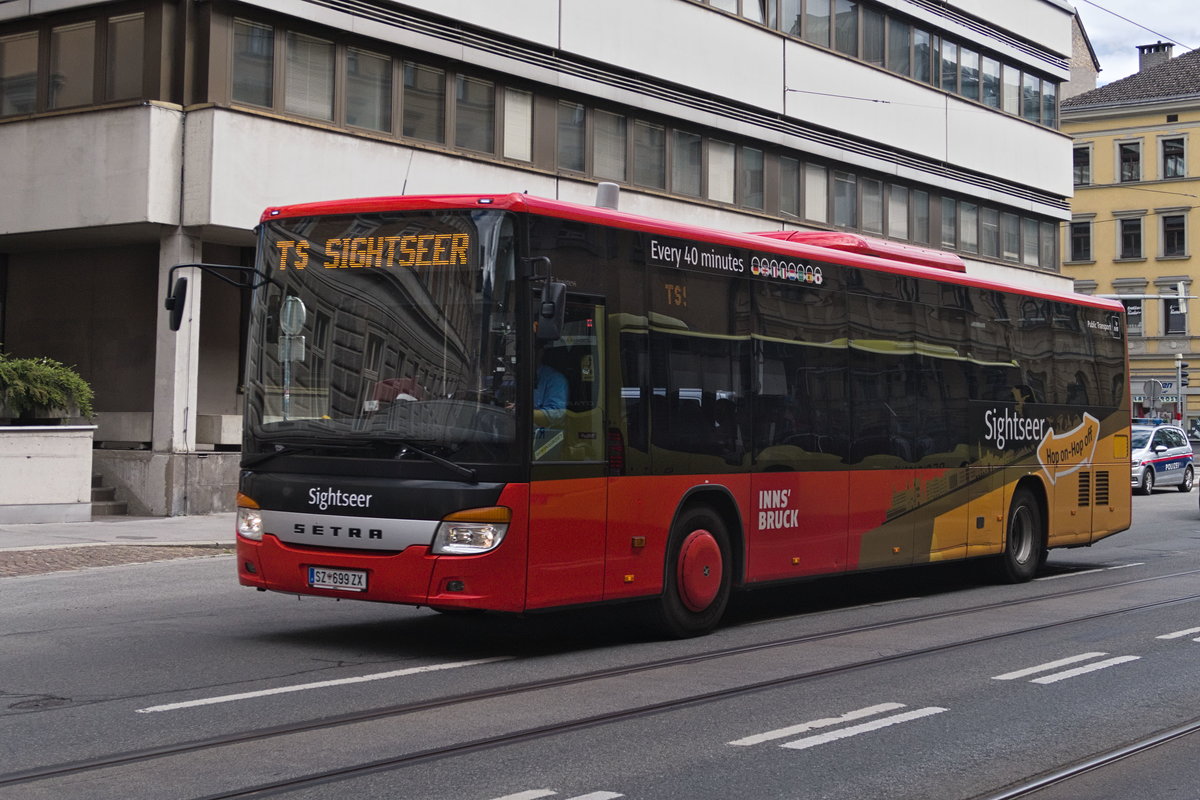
(386, 335)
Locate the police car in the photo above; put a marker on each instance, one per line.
(1162, 456)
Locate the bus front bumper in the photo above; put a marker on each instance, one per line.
(412, 576)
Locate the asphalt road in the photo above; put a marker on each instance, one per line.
(924, 684)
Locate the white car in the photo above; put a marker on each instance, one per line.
(1162, 456)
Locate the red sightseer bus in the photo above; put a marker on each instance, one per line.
(512, 403)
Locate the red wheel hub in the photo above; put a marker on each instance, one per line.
(700, 570)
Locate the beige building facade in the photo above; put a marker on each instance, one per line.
(1134, 220)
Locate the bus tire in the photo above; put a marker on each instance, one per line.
(698, 576)
(1024, 540)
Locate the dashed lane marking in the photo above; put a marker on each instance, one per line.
(806, 742)
(1075, 672)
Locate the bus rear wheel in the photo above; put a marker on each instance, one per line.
(698, 579)
(1024, 540)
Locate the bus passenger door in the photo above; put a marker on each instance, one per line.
(568, 494)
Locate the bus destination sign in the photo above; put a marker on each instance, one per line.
(680, 254)
(424, 250)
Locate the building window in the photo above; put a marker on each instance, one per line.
(752, 177)
(949, 223)
(845, 25)
(897, 212)
(1081, 160)
(790, 17)
(308, 86)
(475, 114)
(72, 64)
(722, 171)
(1081, 241)
(990, 82)
(1174, 235)
(368, 90)
(1174, 317)
(1030, 249)
(1010, 237)
(253, 62)
(1129, 161)
(922, 56)
(1031, 98)
(123, 78)
(845, 199)
(687, 163)
(1012, 90)
(899, 41)
(968, 227)
(609, 146)
(816, 193)
(1049, 104)
(1133, 317)
(873, 37)
(424, 103)
(920, 216)
(969, 74)
(1130, 245)
(949, 66)
(1173, 162)
(572, 137)
(872, 206)
(518, 125)
(1048, 237)
(18, 73)
(989, 232)
(816, 22)
(649, 155)
(789, 186)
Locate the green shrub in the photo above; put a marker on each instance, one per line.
(33, 386)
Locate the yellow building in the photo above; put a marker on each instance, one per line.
(1137, 188)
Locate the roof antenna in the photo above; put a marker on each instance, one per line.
(607, 195)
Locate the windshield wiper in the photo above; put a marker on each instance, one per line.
(458, 469)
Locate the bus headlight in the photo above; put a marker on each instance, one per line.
(470, 532)
(249, 519)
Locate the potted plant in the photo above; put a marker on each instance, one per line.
(41, 389)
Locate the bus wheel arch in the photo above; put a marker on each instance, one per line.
(702, 564)
(1026, 533)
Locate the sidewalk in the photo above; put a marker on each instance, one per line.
(208, 529)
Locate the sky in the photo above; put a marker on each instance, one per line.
(1115, 40)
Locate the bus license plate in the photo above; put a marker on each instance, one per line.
(346, 580)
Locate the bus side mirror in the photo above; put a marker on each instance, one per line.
(175, 303)
(551, 311)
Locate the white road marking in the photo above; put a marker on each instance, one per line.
(1062, 662)
(537, 794)
(1090, 571)
(783, 733)
(303, 687)
(866, 727)
(1179, 634)
(1071, 673)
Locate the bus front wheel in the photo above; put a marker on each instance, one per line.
(698, 577)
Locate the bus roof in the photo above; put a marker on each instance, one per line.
(828, 246)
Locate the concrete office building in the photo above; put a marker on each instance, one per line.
(140, 134)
